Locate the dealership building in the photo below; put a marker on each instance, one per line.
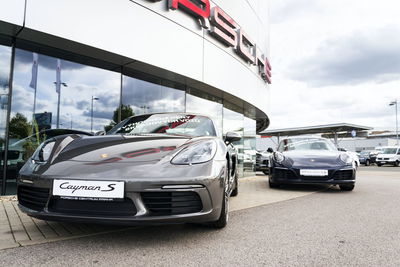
(86, 65)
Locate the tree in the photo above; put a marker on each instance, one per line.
(126, 112)
(19, 127)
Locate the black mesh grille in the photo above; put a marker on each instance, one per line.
(93, 208)
(33, 197)
(283, 174)
(172, 203)
(343, 175)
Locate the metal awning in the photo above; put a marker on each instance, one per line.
(328, 129)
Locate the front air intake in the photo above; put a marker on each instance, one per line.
(172, 203)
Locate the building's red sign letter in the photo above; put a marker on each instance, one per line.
(197, 8)
(245, 46)
(223, 27)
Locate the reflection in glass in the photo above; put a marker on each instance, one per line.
(144, 97)
(5, 60)
(233, 122)
(249, 146)
(49, 93)
(201, 105)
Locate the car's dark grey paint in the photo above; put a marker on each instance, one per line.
(192, 193)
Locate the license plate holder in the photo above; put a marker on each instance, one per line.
(313, 172)
(89, 190)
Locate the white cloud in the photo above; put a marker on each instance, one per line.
(334, 61)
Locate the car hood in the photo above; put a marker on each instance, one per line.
(314, 158)
(117, 156)
(119, 148)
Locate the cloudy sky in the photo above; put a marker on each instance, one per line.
(334, 61)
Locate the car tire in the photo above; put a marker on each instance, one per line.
(379, 165)
(346, 187)
(266, 172)
(397, 163)
(272, 184)
(224, 216)
(235, 191)
(367, 162)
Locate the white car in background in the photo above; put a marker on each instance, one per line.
(390, 155)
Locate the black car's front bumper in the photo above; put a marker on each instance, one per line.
(282, 175)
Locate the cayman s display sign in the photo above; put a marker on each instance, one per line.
(223, 28)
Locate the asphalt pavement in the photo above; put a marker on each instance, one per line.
(326, 228)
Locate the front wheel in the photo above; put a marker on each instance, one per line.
(379, 164)
(235, 191)
(346, 187)
(272, 184)
(367, 162)
(224, 217)
(397, 163)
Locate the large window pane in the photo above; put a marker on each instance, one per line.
(233, 122)
(142, 97)
(5, 60)
(249, 146)
(87, 101)
(202, 103)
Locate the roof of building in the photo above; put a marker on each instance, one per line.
(318, 129)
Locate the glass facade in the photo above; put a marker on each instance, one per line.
(53, 96)
(5, 63)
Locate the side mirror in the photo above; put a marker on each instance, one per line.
(342, 149)
(270, 150)
(231, 137)
(100, 133)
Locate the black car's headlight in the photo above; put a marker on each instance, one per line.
(43, 152)
(345, 158)
(196, 153)
(278, 157)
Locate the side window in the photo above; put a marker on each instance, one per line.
(398, 151)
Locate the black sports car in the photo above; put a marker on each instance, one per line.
(155, 168)
(311, 161)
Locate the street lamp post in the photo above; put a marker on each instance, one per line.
(58, 102)
(395, 103)
(91, 114)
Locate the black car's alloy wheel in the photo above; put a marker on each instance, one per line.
(367, 163)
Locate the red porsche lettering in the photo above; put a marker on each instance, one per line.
(198, 8)
(223, 27)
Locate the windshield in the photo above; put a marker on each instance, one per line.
(364, 153)
(389, 151)
(178, 124)
(306, 144)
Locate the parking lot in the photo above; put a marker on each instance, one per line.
(291, 226)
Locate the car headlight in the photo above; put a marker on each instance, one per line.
(346, 159)
(278, 157)
(196, 153)
(43, 152)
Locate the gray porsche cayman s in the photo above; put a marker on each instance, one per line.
(148, 169)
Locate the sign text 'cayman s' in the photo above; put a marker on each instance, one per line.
(226, 30)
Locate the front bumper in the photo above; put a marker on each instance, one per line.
(208, 192)
(281, 175)
(391, 162)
